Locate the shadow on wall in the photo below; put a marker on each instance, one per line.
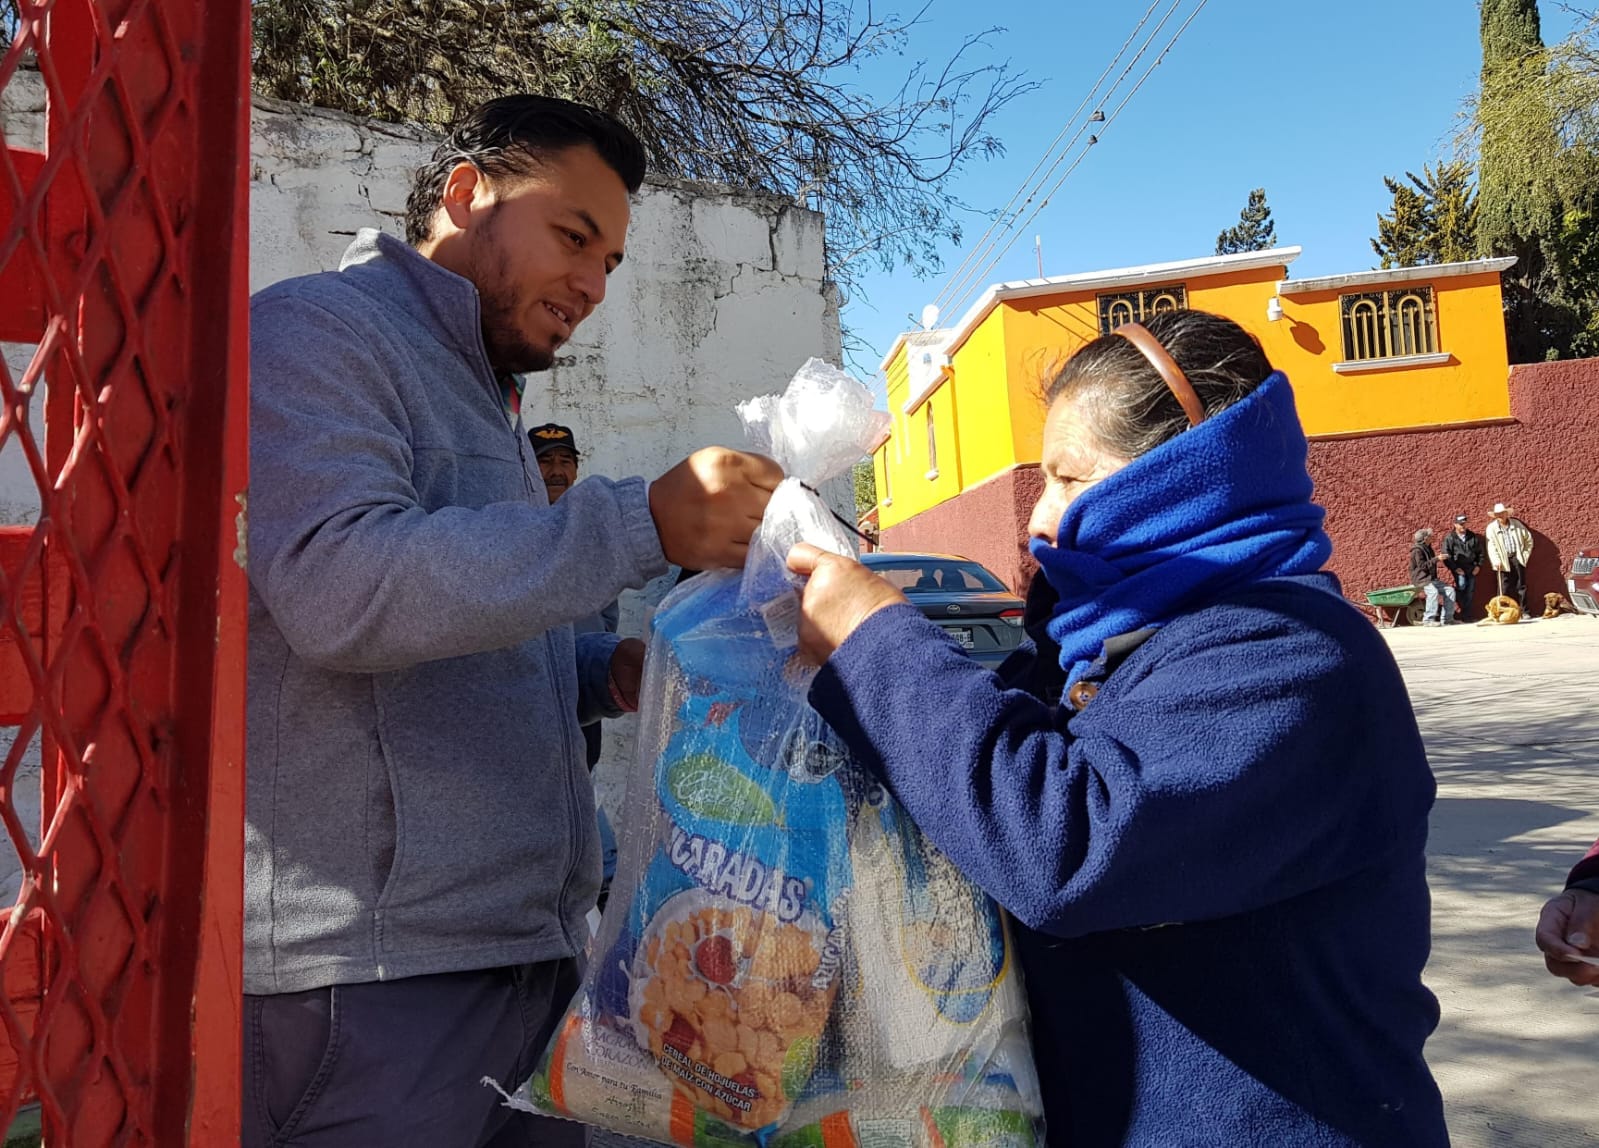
(1547, 570)
(1308, 337)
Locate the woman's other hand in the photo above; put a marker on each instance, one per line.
(1568, 930)
(839, 596)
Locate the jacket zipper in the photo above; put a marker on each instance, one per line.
(550, 669)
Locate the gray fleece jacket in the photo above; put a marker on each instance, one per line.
(416, 798)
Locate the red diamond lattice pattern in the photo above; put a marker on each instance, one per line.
(96, 303)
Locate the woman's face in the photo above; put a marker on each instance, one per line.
(1072, 462)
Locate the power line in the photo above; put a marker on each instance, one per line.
(961, 285)
(1022, 226)
(977, 250)
(1112, 117)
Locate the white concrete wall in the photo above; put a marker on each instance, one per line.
(22, 122)
(721, 297)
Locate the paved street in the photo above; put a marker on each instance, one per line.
(1512, 728)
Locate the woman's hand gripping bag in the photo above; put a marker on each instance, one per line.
(785, 959)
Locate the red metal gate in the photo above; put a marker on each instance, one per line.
(123, 259)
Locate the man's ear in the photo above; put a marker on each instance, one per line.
(464, 190)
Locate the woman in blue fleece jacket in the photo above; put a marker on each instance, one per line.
(1202, 792)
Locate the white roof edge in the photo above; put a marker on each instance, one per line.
(916, 400)
(1149, 272)
(1395, 275)
(1114, 277)
(899, 341)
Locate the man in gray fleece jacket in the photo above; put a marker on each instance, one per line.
(420, 844)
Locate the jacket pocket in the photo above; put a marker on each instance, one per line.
(382, 839)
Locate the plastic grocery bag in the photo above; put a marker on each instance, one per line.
(784, 959)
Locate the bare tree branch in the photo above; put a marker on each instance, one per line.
(752, 93)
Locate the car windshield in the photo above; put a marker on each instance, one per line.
(937, 576)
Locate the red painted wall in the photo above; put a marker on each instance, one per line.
(1379, 489)
(987, 524)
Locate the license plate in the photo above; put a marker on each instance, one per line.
(963, 635)
(1581, 601)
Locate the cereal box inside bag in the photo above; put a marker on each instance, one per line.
(724, 1001)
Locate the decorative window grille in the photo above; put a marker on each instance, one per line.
(1389, 324)
(1136, 306)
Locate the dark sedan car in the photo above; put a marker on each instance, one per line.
(972, 605)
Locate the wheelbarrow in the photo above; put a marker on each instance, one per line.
(1405, 602)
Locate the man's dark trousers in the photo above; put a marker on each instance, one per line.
(1465, 586)
(1513, 583)
(399, 1064)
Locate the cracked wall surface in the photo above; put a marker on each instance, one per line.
(721, 298)
(722, 295)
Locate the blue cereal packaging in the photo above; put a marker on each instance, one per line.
(783, 960)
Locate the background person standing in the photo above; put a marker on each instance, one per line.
(1464, 555)
(555, 451)
(1509, 551)
(1424, 573)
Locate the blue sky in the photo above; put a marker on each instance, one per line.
(1316, 103)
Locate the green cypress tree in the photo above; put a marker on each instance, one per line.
(1519, 206)
(865, 476)
(1254, 231)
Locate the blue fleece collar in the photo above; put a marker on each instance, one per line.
(1220, 506)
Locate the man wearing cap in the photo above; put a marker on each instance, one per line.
(1464, 555)
(555, 451)
(1509, 551)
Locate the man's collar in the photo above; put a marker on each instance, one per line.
(436, 297)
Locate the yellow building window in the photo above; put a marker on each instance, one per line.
(932, 445)
(1136, 306)
(1389, 324)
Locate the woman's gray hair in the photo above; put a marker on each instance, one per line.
(1129, 408)
(1423, 534)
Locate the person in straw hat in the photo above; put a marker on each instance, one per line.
(1509, 551)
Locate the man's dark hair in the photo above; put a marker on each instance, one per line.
(508, 136)
(1126, 403)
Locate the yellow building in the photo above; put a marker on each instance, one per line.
(1405, 348)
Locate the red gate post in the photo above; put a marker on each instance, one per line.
(123, 250)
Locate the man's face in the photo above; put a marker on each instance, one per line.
(558, 465)
(539, 250)
(1460, 528)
